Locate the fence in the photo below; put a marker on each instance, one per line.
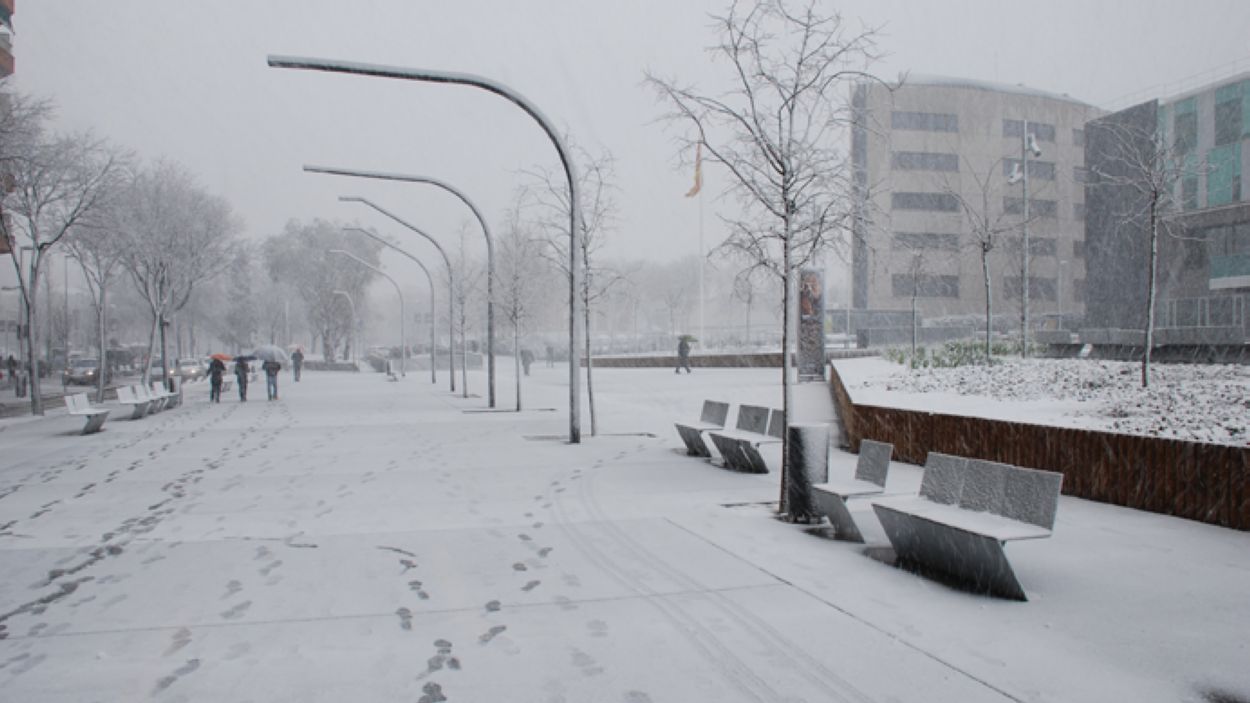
(1194, 480)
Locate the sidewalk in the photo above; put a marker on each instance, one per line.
(372, 541)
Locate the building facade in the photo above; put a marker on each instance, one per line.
(1199, 142)
(937, 154)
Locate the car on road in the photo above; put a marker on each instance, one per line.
(192, 369)
(81, 372)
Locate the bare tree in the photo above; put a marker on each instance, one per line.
(297, 258)
(99, 251)
(56, 185)
(985, 225)
(467, 285)
(778, 133)
(597, 202)
(518, 273)
(1146, 168)
(176, 237)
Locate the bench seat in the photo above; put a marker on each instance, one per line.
(139, 405)
(712, 418)
(990, 525)
(739, 447)
(80, 406)
(871, 468)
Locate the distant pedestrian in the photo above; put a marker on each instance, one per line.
(216, 370)
(241, 371)
(297, 363)
(271, 369)
(683, 354)
(551, 356)
(11, 365)
(527, 358)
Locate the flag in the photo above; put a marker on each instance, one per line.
(698, 171)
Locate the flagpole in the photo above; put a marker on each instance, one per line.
(702, 252)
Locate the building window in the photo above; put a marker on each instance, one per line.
(1039, 288)
(1037, 208)
(1078, 248)
(1189, 193)
(1080, 174)
(925, 286)
(1041, 131)
(925, 121)
(1195, 253)
(1078, 137)
(925, 240)
(1038, 246)
(1078, 212)
(1224, 176)
(935, 202)
(1228, 122)
(1185, 127)
(1040, 170)
(924, 161)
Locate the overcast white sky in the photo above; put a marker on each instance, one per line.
(188, 81)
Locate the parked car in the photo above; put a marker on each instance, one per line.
(81, 371)
(191, 369)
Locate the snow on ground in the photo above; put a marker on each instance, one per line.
(1200, 402)
(372, 541)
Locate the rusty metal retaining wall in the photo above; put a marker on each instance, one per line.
(728, 360)
(1205, 482)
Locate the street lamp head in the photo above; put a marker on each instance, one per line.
(1033, 147)
(1016, 175)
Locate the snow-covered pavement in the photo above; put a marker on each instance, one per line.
(370, 541)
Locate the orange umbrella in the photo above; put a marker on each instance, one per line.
(221, 357)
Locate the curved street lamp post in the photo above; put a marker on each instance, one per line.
(451, 285)
(570, 171)
(430, 278)
(490, 250)
(403, 341)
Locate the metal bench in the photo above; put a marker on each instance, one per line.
(79, 405)
(831, 497)
(139, 405)
(739, 447)
(144, 392)
(712, 418)
(967, 510)
(170, 398)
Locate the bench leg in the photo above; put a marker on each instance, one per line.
(974, 559)
(94, 423)
(728, 449)
(835, 508)
(693, 439)
(753, 461)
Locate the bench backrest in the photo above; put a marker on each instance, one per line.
(142, 392)
(753, 418)
(874, 461)
(126, 394)
(1027, 495)
(1032, 496)
(78, 401)
(943, 478)
(714, 412)
(157, 388)
(777, 424)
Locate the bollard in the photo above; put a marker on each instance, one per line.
(809, 464)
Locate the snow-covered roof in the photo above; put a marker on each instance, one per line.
(974, 84)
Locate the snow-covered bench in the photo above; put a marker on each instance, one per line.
(170, 398)
(756, 425)
(967, 510)
(712, 418)
(79, 405)
(158, 401)
(139, 405)
(831, 497)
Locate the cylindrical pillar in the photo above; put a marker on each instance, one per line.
(808, 448)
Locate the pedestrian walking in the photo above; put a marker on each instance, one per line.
(297, 363)
(551, 356)
(683, 354)
(216, 370)
(527, 358)
(241, 371)
(271, 369)
(11, 365)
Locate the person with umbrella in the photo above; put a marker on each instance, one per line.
(216, 369)
(272, 358)
(241, 371)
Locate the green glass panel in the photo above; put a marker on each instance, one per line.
(1230, 265)
(1225, 165)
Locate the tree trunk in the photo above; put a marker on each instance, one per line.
(786, 319)
(101, 331)
(164, 355)
(989, 318)
(1150, 290)
(590, 381)
(32, 341)
(516, 359)
(464, 353)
